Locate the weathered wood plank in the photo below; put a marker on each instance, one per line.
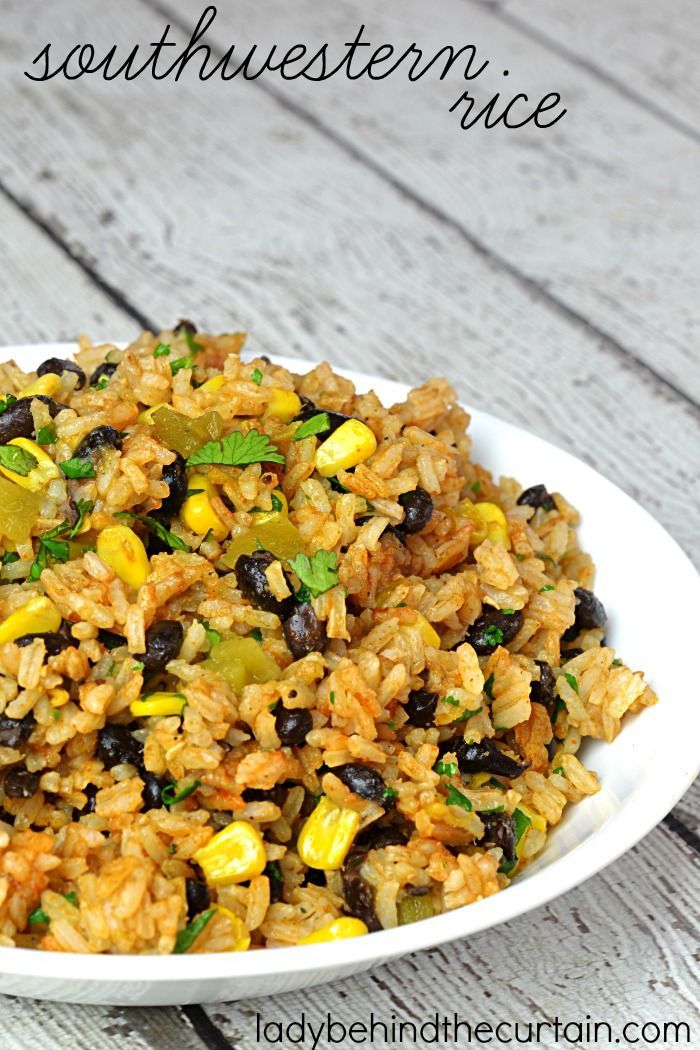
(619, 947)
(319, 257)
(599, 211)
(649, 50)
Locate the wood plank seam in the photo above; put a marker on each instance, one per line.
(675, 824)
(117, 297)
(197, 1019)
(594, 70)
(492, 258)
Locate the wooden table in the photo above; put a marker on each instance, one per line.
(553, 274)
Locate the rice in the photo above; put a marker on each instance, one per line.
(421, 652)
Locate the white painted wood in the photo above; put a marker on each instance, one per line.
(599, 210)
(286, 235)
(649, 48)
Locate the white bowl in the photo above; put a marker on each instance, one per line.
(651, 592)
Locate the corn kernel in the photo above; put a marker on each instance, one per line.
(426, 630)
(478, 780)
(47, 385)
(213, 384)
(38, 616)
(239, 929)
(147, 415)
(40, 475)
(58, 697)
(338, 930)
(283, 405)
(280, 509)
(158, 705)
(119, 547)
(197, 512)
(489, 522)
(235, 854)
(352, 443)
(536, 819)
(327, 835)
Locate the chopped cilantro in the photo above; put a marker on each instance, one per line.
(571, 679)
(17, 459)
(277, 504)
(157, 528)
(617, 662)
(256, 376)
(38, 916)
(162, 350)
(6, 401)
(49, 550)
(256, 633)
(237, 449)
(72, 898)
(102, 382)
(173, 793)
(192, 343)
(332, 697)
(456, 798)
(547, 587)
(508, 612)
(187, 937)
(560, 771)
(493, 635)
(450, 700)
(466, 715)
(390, 793)
(83, 507)
(182, 362)
(520, 557)
(138, 666)
(46, 436)
(193, 492)
(77, 468)
(214, 636)
(475, 486)
(493, 809)
(488, 686)
(316, 425)
(445, 769)
(392, 725)
(318, 573)
(9, 557)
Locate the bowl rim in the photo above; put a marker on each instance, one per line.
(641, 812)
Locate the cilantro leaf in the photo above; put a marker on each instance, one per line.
(17, 459)
(488, 686)
(318, 573)
(77, 468)
(182, 362)
(475, 486)
(187, 937)
(456, 798)
(213, 636)
(493, 635)
(162, 350)
(571, 679)
(466, 715)
(173, 793)
(316, 425)
(6, 401)
(445, 769)
(390, 792)
(8, 557)
(547, 587)
(256, 376)
(83, 507)
(236, 450)
(157, 528)
(102, 383)
(451, 700)
(46, 436)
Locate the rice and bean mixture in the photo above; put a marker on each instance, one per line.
(278, 664)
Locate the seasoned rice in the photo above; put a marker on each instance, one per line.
(399, 639)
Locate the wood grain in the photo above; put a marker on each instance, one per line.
(644, 50)
(320, 257)
(574, 209)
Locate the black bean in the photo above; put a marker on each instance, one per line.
(54, 641)
(90, 790)
(499, 830)
(183, 325)
(110, 639)
(569, 654)
(542, 692)
(152, 787)
(107, 368)
(365, 782)
(163, 642)
(292, 725)
(590, 611)
(16, 731)
(418, 510)
(359, 897)
(253, 585)
(304, 632)
(487, 758)
(198, 896)
(58, 365)
(100, 437)
(420, 708)
(493, 628)
(116, 745)
(309, 410)
(175, 476)
(379, 836)
(315, 877)
(537, 496)
(17, 420)
(274, 875)
(20, 783)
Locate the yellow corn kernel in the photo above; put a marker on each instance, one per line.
(240, 931)
(536, 819)
(426, 630)
(489, 522)
(213, 384)
(158, 704)
(119, 547)
(197, 512)
(338, 930)
(235, 854)
(40, 475)
(352, 443)
(147, 415)
(47, 385)
(327, 835)
(478, 780)
(58, 697)
(280, 509)
(38, 616)
(283, 405)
